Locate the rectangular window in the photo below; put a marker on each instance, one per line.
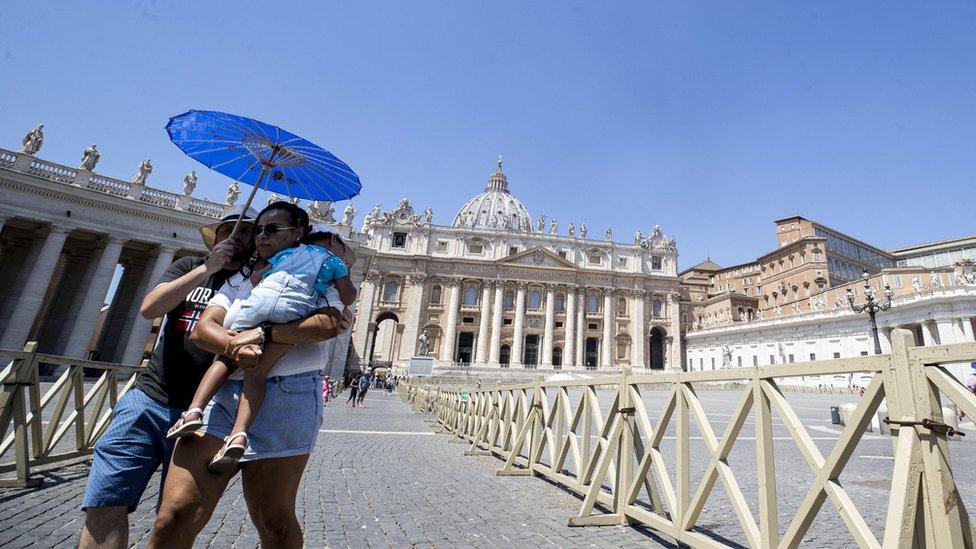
(813, 357)
(476, 249)
(593, 259)
(442, 246)
(656, 262)
(791, 359)
(399, 240)
(755, 361)
(864, 353)
(772, 359)
(562, 254)
(622, 262)
(713, 363)
(559, 324)
(740, 362)
(467, 320)
(592, 326)
(836, 355)
(507, 321)
(512, 250)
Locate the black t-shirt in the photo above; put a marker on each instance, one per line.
(177, 366)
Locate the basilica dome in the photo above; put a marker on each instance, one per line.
(495, 208)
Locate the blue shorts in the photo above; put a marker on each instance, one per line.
(286, 425)
(129, 452)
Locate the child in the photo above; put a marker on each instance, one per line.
(290, 289)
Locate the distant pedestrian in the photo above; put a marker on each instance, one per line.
(363, 389)
(326, 390)
(353, 392)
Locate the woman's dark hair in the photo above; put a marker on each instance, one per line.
(298, 217)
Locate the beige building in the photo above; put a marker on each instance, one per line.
(499, 289)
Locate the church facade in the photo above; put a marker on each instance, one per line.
(500, 289)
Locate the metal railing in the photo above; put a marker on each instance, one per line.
(613, 457)
(34, 427)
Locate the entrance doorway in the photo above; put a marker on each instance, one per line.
(383, 349)
(465, 344)
(557, 358)
(592, 353)
(657, 349)
(531, 354)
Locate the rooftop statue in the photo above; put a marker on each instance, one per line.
(233, 193)
(189, 183)
(142, 175)
(89, 158)
(583, 230)
(348, 214)
(542, 223)
(608, 236)
(33, 140)
(554, 227)
(571, 229)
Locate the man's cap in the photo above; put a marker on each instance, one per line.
(209, 232)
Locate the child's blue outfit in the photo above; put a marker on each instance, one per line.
(299, 277)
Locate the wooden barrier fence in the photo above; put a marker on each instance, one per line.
(613, 457)
(34, 427)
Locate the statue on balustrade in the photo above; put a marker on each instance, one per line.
(272, 198)
(89, 158)
(571, 229)
(348, 214)
(322, 210)
(542, 223)
(608, 236)
(638, 236)
(189, 183)
(554, 227)
(423, 345)
(33, 140)
(295, 200)
(233, 193)
(428, 216)
(142, 176)
(583, 230)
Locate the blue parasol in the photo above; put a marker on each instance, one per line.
(262, 155)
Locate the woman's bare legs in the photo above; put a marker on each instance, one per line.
(270, 489)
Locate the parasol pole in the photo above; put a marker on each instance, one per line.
(250, 198)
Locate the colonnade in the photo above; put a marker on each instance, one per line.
(53, 283)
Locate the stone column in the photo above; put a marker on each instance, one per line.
(581, 329)
(967, 330)
(32, 294)
(928, 338)
(412, 320)
(606, 349)
(450, 330)
(496, 325)
(674, 316)
(481, 356)
(547, 335)
(519, 325)
(884, 334)
(84, 324)
(637, 330)
(139, 334)
(946, 335)
(569, 347)
(364, 312)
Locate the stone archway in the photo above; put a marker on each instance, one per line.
(657, 348)
(383, 346)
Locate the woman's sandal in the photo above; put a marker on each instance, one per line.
(182, 427)
(229, 455)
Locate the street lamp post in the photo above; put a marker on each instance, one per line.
(872, 306)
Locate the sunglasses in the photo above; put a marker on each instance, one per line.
(270, 229)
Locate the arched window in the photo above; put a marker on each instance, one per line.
(557, 357)
(435, 295)
(509, 300)
(560, 304)
(390, 291)
(656, 308)
(535, 299)
(592, 303)
(470, 298)
(505, 354)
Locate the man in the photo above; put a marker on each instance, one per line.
(135, 443)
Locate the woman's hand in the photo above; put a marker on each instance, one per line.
(252, 336)
(248, 356)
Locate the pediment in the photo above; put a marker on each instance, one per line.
(537, 257)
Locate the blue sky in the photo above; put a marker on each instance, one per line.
(711, 119)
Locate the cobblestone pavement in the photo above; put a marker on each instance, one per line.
(378, 477)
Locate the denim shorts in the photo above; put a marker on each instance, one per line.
(275, 301)
(286, 425)
(130, 451)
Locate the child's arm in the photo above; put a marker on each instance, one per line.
(347, 292)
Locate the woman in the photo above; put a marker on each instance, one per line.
(285, 431)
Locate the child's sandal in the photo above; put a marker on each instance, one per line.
(229, 455)
(182, 427)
